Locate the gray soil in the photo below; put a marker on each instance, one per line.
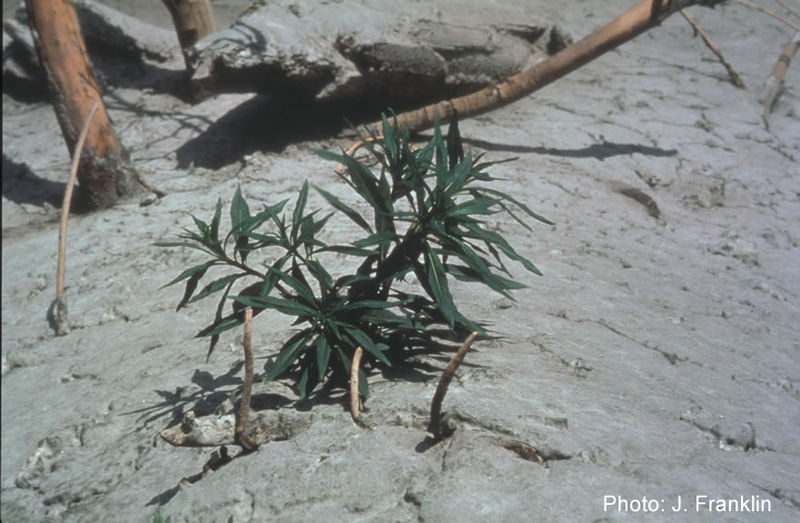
(658, 357)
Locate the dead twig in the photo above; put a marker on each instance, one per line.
(773, 84)
(444, 382)
(61, 321)
(246, 442)
(355, 399)
(773, 14)
(735, 79)
(789, 8)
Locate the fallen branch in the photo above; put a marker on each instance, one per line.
(246, 442)
(444, 382)
(643, 16)
(735, 79)
(61, 321)
(193, 20)
(773, 84)
(107, 172)
(355, 410)
(773, 14)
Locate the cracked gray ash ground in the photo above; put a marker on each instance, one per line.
(658, 357)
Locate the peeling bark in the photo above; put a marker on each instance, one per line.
(106, 171)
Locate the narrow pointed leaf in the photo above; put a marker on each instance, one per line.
(215, 286)
(437, 281)
(323, 350)
(347, 211)
(289, 352)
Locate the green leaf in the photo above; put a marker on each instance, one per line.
(322, 276)
(495, 282)
(461, 174)
(363, 387)
(323, 351)
(389, 142)
(218, 327)
(218, 319)
(368, 304)
(205, 231)
(216, 286)
(360, 338)
(286, 306)
(441, 155)
(191, 283)
(215, 222)
(519, 204)
(501, 243)
(289, 352)
(379, 238)
(303, 290)
(437, 281)
(480, 205)
(299, 207)
(455, 149)
(302, 385)
(240, 216)
(386, 318)
(189, 272)
(349, 250)
(347, 211)
(240, 212)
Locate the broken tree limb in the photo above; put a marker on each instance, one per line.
(444, 382)
(734, 76)
(643, 16)
(193, 20)
(106, 171)
(772, 87)
(61, 320)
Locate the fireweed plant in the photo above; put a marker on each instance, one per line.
(425, 227)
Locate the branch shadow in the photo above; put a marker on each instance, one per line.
(269, 123)
(21, 185)
(599, 151)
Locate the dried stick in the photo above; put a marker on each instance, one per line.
(444, 382)
(789, 8)
(62, 323)
(735, 79)
(244, 404)
(775, 80)
(773, 14)
(355, 410)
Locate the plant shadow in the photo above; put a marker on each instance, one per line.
(204, 396)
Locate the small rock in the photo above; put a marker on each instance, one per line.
(504, 303)
(741, 435)
(742, 250)
(148, 199)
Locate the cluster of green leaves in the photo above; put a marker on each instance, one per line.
(428, 209)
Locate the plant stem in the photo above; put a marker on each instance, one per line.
(61, 300)
(444, 382)
(239, 436)
(355, 411)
